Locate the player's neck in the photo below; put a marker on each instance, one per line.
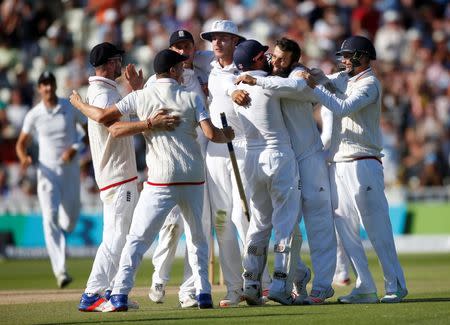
(225, 61)
(51, 101)
(105, 74)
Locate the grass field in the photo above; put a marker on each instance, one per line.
(28, 295)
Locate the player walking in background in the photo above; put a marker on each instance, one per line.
(356, 173)
(175, 174)
(226, 204)
(116, 175)
(54, 123)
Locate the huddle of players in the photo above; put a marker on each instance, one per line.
(269, 109)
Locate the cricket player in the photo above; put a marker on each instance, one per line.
(54, 122)
(271, 169)
(226, 204)
(116, 175)
(175, 173)
(356, 173)
(195, 78)
(313, 170)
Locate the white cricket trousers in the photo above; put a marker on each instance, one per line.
(155, 203)
(319, 223)
(357, 193)
(118, 206)
(274, 202)
(58, 191)
(342, 262)
(170, 234)
(227, 212)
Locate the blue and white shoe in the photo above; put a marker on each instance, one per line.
(91, 302)
(116, 303)
(131, 304)
(204, 301)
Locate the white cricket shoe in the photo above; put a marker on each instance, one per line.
(232, 299)
(157, 293)
(299, 289)
(252, 295)
(393, 297)
(318, 297)
(189, 301)
(361, 298)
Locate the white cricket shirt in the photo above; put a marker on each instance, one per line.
(114, 159)
(356, 118)
(173, 157)
(55, 129)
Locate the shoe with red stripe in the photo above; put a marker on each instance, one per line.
(91, 302)
(232, 299)
(265, 296)
(317, 297)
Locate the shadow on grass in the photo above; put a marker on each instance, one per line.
(438, 299)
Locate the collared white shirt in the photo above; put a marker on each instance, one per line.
(55, 129)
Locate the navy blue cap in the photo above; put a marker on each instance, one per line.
(102, 52)
(46, 77)
(180, 35)
(166, 59)
(246, 52)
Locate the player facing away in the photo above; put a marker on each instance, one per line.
(356, 173)
(175, 173)
(115, 173)
(195, 78)
(271, 169)
(53, 121)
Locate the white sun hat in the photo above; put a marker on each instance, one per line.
(222, 26)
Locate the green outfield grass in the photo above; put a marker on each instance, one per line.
(428, 279)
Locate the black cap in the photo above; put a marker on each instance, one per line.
(180, 35)
(166, 59)
(246, 52)
(102, 52)
(358, 44)
(46, 77)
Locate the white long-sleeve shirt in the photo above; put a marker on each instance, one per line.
(221, 80)
(113, 159)
(262, 119)
(356, 118)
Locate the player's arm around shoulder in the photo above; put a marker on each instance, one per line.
(95, 113)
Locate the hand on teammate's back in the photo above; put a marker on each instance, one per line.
(310, 80)
(163, 120)
(245, 79)
(241, 97)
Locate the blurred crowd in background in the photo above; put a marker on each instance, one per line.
(411, 38)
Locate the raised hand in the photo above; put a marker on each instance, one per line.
(75, 99)
(134, 78)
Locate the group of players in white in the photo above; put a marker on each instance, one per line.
(268, 103)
